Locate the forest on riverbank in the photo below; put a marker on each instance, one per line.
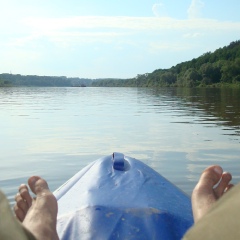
(220, 68)
(18, 80)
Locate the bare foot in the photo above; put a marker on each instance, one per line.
(205, 193)
(38, 215)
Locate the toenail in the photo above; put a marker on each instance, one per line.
(22, 190)
(217, 170)
(33, 180)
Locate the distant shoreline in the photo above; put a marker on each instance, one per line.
(218, 69)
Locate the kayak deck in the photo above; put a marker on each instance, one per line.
(118, 197)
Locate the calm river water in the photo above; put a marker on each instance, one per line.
(54, 132)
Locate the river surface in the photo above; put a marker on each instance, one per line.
(55, 132)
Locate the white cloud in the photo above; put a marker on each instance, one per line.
(193, 35)
(126, 23)
(78, 30)
(159, 10)
(19, 42)
(156, 47)
(195, 9)
(67, 38)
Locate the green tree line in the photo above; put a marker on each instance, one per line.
(221, 67)
(41, 81)
(4, 83)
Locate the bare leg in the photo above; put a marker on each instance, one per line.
(205, 194)
(38, 214)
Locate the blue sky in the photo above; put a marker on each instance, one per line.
(117, 38)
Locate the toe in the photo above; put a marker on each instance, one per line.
(210, 177)
(38, 185)
(24, 192)
(21, 203)
(19, 213)
(223, 184)
(228, 187)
